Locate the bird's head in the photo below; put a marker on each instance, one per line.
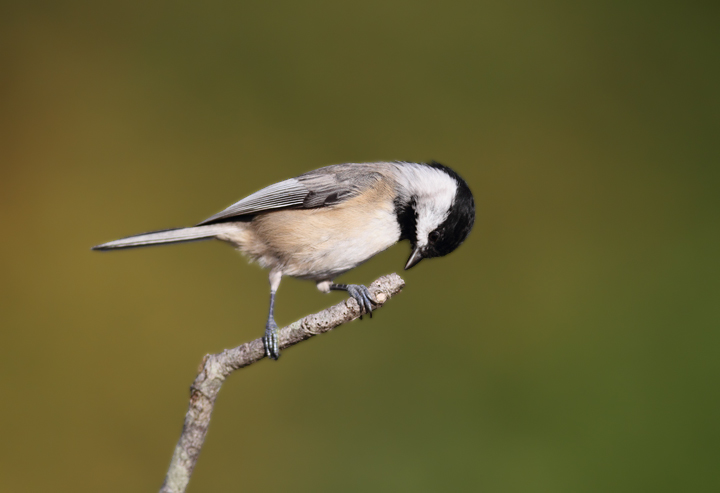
(436, 211)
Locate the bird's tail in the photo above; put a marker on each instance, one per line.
(179, 235)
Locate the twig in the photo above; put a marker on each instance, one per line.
(215, 368)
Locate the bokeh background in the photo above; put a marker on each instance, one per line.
(572, 344)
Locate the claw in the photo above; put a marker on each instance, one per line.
(270, 340)
(362, 296)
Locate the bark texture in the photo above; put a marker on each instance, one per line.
(215, 368)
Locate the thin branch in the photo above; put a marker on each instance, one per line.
(215, 368)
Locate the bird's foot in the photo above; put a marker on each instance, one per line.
(363, 297)
(270, 340)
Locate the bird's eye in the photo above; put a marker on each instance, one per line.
(433, 237)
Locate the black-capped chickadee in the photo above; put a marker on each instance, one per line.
(327, 221)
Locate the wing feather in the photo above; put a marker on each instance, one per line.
(322, 187)
(288, 193)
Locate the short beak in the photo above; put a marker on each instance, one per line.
(414, 258)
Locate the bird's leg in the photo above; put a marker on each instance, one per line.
(270, 339)
(360, 293)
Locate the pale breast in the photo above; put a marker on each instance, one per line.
(324, 242)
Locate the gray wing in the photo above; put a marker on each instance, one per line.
(318, 188)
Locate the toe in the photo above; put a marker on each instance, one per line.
(367, 300)
(368, 305)
(271, 343)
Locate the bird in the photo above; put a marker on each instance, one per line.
(325, 222)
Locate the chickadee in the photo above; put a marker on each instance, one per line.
(327, 221)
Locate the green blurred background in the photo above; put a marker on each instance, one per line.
(570, 345)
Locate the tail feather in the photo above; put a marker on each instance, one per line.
(179, 235)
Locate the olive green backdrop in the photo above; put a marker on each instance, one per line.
(572, 344)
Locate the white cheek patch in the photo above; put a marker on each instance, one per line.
(434, 191)
(428, 219)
